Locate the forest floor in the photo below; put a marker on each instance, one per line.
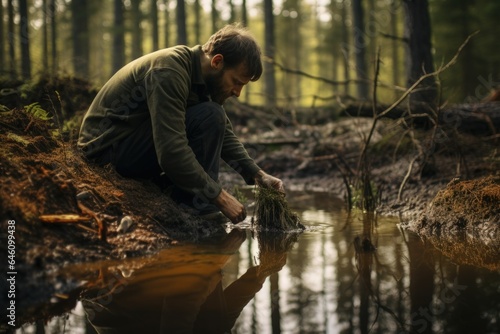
(43, 178)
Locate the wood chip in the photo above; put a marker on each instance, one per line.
(64, 218)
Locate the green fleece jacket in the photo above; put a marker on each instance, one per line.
(160, 86)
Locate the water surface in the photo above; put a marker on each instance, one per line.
(344, 274)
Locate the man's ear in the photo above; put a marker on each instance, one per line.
(217, 62)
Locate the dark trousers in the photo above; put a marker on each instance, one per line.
(136, 156)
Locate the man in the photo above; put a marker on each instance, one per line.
(162, 114)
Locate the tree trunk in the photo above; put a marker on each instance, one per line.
(214, 16)
(2, 41)
(197, 21)
(360, 44)
(25, 40)
(136, 29)
(394, 46)
(232, 12)
(345, 41)
(53, 37)
(181, 23)
(332, 40)
(244, 13)
(270, 80)
(419, 56)
(11, 32)
(297, 46)
(118, 36)
(45, 36)
(154, 23)
(167, 24)
(244, 21)
(80, 32)
(467, 58)
(371, 31)
(290, 43)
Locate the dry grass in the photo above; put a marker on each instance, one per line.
(476, 199)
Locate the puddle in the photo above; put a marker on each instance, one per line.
(344, 274)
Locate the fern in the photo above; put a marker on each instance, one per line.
(37, 111)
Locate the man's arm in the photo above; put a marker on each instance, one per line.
(236, 156)
(167, 92)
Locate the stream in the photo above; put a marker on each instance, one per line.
(346, 273)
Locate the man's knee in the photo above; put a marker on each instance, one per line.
(206, 116)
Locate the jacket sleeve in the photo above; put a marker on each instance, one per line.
(236, 156)
(167, 90)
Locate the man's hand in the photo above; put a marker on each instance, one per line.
(267, 181)
(230, 207)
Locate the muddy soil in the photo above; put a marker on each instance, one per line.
(42, 173)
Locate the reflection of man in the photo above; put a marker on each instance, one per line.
(162, 113)
(183, 294)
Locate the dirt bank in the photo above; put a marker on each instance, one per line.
(471, 206)
(43, 176)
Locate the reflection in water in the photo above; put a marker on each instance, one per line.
(345, 274)
(185, 296)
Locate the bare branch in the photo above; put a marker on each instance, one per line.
(428, 75)
(396, 38)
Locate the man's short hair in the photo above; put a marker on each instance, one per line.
(235, 43)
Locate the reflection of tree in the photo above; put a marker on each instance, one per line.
(472, 302)
(364, 257)
(421, 285)
(299, 295)
(398, 256)
(369, 273)
(346, 276)
(275, 304)
(273, 249)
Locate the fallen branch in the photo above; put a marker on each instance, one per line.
(68, 219)
(102, 228)
(277, 141)
(64, 219)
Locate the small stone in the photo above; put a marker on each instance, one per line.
(126, 272)
(83, 195)
(125, 224)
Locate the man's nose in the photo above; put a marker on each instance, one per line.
(237, 91)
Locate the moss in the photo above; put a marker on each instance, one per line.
(18, 139)
(273, 213)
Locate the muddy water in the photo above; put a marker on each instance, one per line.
(344, 274)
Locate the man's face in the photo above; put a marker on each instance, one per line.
(226, 83)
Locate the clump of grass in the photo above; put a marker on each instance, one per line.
(272, 212)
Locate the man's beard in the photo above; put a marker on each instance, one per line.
(214, 85)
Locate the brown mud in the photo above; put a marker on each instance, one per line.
(42, 173)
